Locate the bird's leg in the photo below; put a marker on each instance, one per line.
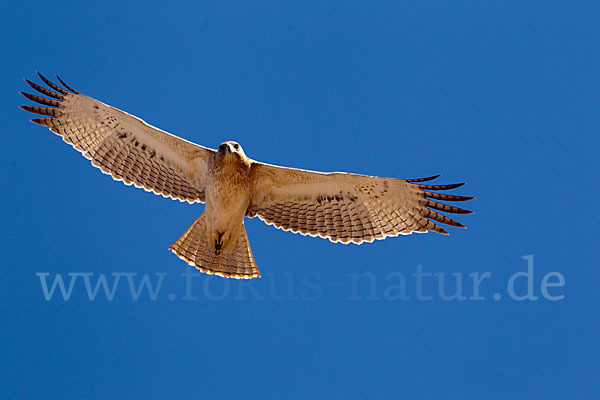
(218, 242)
(222, 241)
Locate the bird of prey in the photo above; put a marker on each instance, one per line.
(341, 207)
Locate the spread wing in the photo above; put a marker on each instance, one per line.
(124, 146)
(348, 207)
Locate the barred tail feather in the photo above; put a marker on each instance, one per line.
(196, 248)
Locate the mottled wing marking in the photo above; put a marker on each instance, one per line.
(122, 145)
(347, 207)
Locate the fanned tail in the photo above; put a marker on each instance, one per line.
(196, 247)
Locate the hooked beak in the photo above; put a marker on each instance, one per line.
(225, 148)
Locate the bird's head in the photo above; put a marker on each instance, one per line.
(230, 150)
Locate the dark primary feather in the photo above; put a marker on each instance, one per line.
(441, 187)
(40, 99)
(41, 110)
(430, 178)
(430, 204)
(53, 112)
(42, 121)
(43, 90)
(441, 218)
(447, 197)
(67, 86)
(446, 208)
(52, 85)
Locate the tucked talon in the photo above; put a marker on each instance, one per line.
(219, 244)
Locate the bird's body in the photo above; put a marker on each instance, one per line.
(339, 206)
(228, 191)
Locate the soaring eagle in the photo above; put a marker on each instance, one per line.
(341, 207)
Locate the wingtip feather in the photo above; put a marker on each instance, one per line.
(51, 84)
(67, 86)
(41, 121)
(429, 178)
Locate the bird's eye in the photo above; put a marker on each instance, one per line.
(236, 146)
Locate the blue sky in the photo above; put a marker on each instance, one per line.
(502, 95)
